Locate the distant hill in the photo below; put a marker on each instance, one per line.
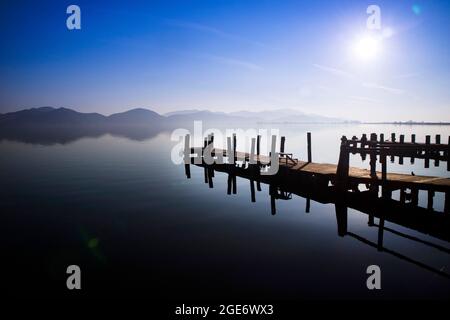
(63, 117)
(138, 116)
(285, 116)
(50, 116)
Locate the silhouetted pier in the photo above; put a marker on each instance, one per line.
(339, 185)
(342, 177)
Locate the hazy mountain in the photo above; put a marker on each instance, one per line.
(57, 117)
(204, 115)
(50, 116)
(285, 115)
(181, 112)
(138, 116)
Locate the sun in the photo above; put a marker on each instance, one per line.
(367, 48)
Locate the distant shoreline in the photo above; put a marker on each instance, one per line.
(411, 123)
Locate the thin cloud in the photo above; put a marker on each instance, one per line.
(363, 99)
(334, 71)
(407, 75)
(232, 62)
(211, 30)
(381, 87)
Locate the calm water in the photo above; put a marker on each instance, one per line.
(122, 211)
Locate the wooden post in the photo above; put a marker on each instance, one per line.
(283, 140)
(308, 138)
(436, 154)
(258, 148)
(392, 140)
(341, 218)
(448, 154)
(252, 190)
(413, 140)
(383, 160)
(392, 137)
(210, 176)
(363, 140)
(373, 155)
(363, 145)
(187, 156)
(272, 192)
(234, 147)
(402, 140)
(187, 170)
(427, 159)
(381, 137)
(343, 166)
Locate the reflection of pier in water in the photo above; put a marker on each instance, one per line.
(383, 207)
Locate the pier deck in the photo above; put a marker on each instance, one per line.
(329, 171)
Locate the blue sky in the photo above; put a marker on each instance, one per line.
(228, 56)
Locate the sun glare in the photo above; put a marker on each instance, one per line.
(366, 48)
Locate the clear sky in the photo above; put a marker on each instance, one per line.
(229, 55)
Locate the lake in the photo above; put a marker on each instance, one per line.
(122, 211)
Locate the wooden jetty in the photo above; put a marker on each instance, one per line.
(339, 185)
(344, 178)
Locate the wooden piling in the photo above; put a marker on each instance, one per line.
(341, 218)
(448, 155)
(343, 166)
(413, 140)
(427, 159)
(402, 141)
(283, 140)
(210, 176)
(252, 190)
(258, 143)
(234, 148)
(373, 156)
(308, 135)
(392, 137)
(392, 140)
(438, 141)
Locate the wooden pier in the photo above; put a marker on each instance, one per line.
(339, 185)
(342, 177)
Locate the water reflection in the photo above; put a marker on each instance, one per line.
(50, 135)
(407, 215)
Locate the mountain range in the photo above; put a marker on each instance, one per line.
(49, 116)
